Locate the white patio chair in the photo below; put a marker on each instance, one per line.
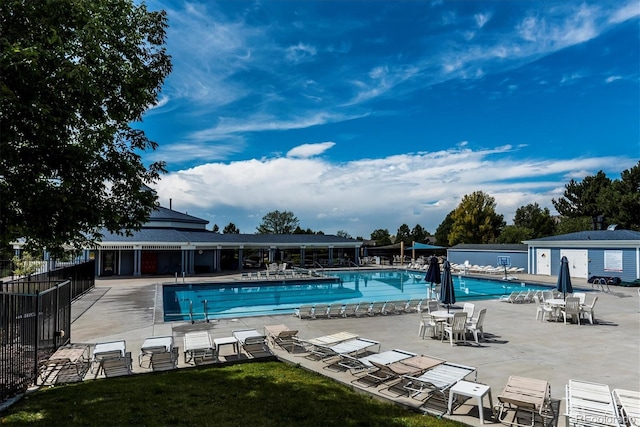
(571, 309)
(476, 325)
(587, 309)
(456, 328)
(542, 309)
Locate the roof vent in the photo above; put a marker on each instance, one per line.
(612, 227)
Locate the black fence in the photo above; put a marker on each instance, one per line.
(35, 319)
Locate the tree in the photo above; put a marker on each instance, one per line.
(342, 233)
(515, 234)
(74, 76)
(419, 234)
(539, 221)
(571, 225)
(277, 222)
(443, 230)
(475, 220)
(621, 202)
(231, 229)
(404, 235)
(581, 198)
(381, 237)
(215, 228)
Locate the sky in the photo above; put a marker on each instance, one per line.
(365, 115)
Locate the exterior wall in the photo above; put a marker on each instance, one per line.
(204, 262)
(628, 273)
(170, 262)
(518, 259)
(126, 263)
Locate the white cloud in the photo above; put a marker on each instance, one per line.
(310, 150)
(363, 195)
(611, 79)
(482, 19)
(625, 12)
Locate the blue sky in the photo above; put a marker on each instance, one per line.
(360, 115)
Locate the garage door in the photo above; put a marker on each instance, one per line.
(578, 262)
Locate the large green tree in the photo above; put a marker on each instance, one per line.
(231, 229)
(443, 230)
(621, 202)
(381, 236)
(475, 220)
(536, 219)
(419, 234)
(403, 235)
(74, 76)
(277, 222)
(580, 199)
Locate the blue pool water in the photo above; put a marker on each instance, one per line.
(247, 298)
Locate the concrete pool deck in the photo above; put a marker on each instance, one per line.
(515, 342)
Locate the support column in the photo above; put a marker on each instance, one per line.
(330, 256)
(240, 258)
(302, 256)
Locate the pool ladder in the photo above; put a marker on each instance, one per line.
(192, 314)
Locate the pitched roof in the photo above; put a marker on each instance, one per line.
(609, 235)
(161, 214)
(505, 247)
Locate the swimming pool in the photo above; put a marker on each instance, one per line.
(244, 298)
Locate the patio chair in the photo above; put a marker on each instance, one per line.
(542, 309)
(431, 305)
(587, 309)
(476, 325)
(571, 309)
(528, 395)
(581, 296)
(590, 404)
(413, 306)
(629, 403)
(117, 366)
(468, 308)
(456, 328)
(427, 324)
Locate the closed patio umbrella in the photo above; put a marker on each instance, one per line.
(447, 293)
(433, 274)
(564, 278)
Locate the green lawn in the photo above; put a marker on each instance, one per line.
(250, 394)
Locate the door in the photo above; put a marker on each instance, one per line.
(543, 262)
(578, 262)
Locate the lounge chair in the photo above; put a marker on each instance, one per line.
(629, 403)
(349, 309)
(433, 381)
(590, 404)
(325, 340)
(304, 311)
(164, 361)
(354, 347)
(363, 308)
(527, 395)
(320, 311)
(335, 310)
(153, 345)
(107, 350)
(413, 306)
(117, 366)
(389, 308)
(376, 308)
(253, 342)
(282, 336)
(513, 297)
(359, 364)
(197, 346)
(413, 366)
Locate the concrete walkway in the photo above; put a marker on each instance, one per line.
(515, 343)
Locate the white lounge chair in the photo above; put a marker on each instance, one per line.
(282, 336)
(413, 366)
(197, 346)
(117, 366)
(335, 310)
(629, 403)
(350, 347)
(320, 311)
(349, 309)
(590, 405)
(304, 311)
(359, 364)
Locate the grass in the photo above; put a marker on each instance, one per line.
(255, 394)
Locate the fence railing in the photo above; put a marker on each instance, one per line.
(35, 319)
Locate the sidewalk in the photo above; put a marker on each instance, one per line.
(516, 344)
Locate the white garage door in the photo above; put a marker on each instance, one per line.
(578, 262)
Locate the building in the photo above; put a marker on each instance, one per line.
(604, 253)
(175, 243)
(514, 255)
